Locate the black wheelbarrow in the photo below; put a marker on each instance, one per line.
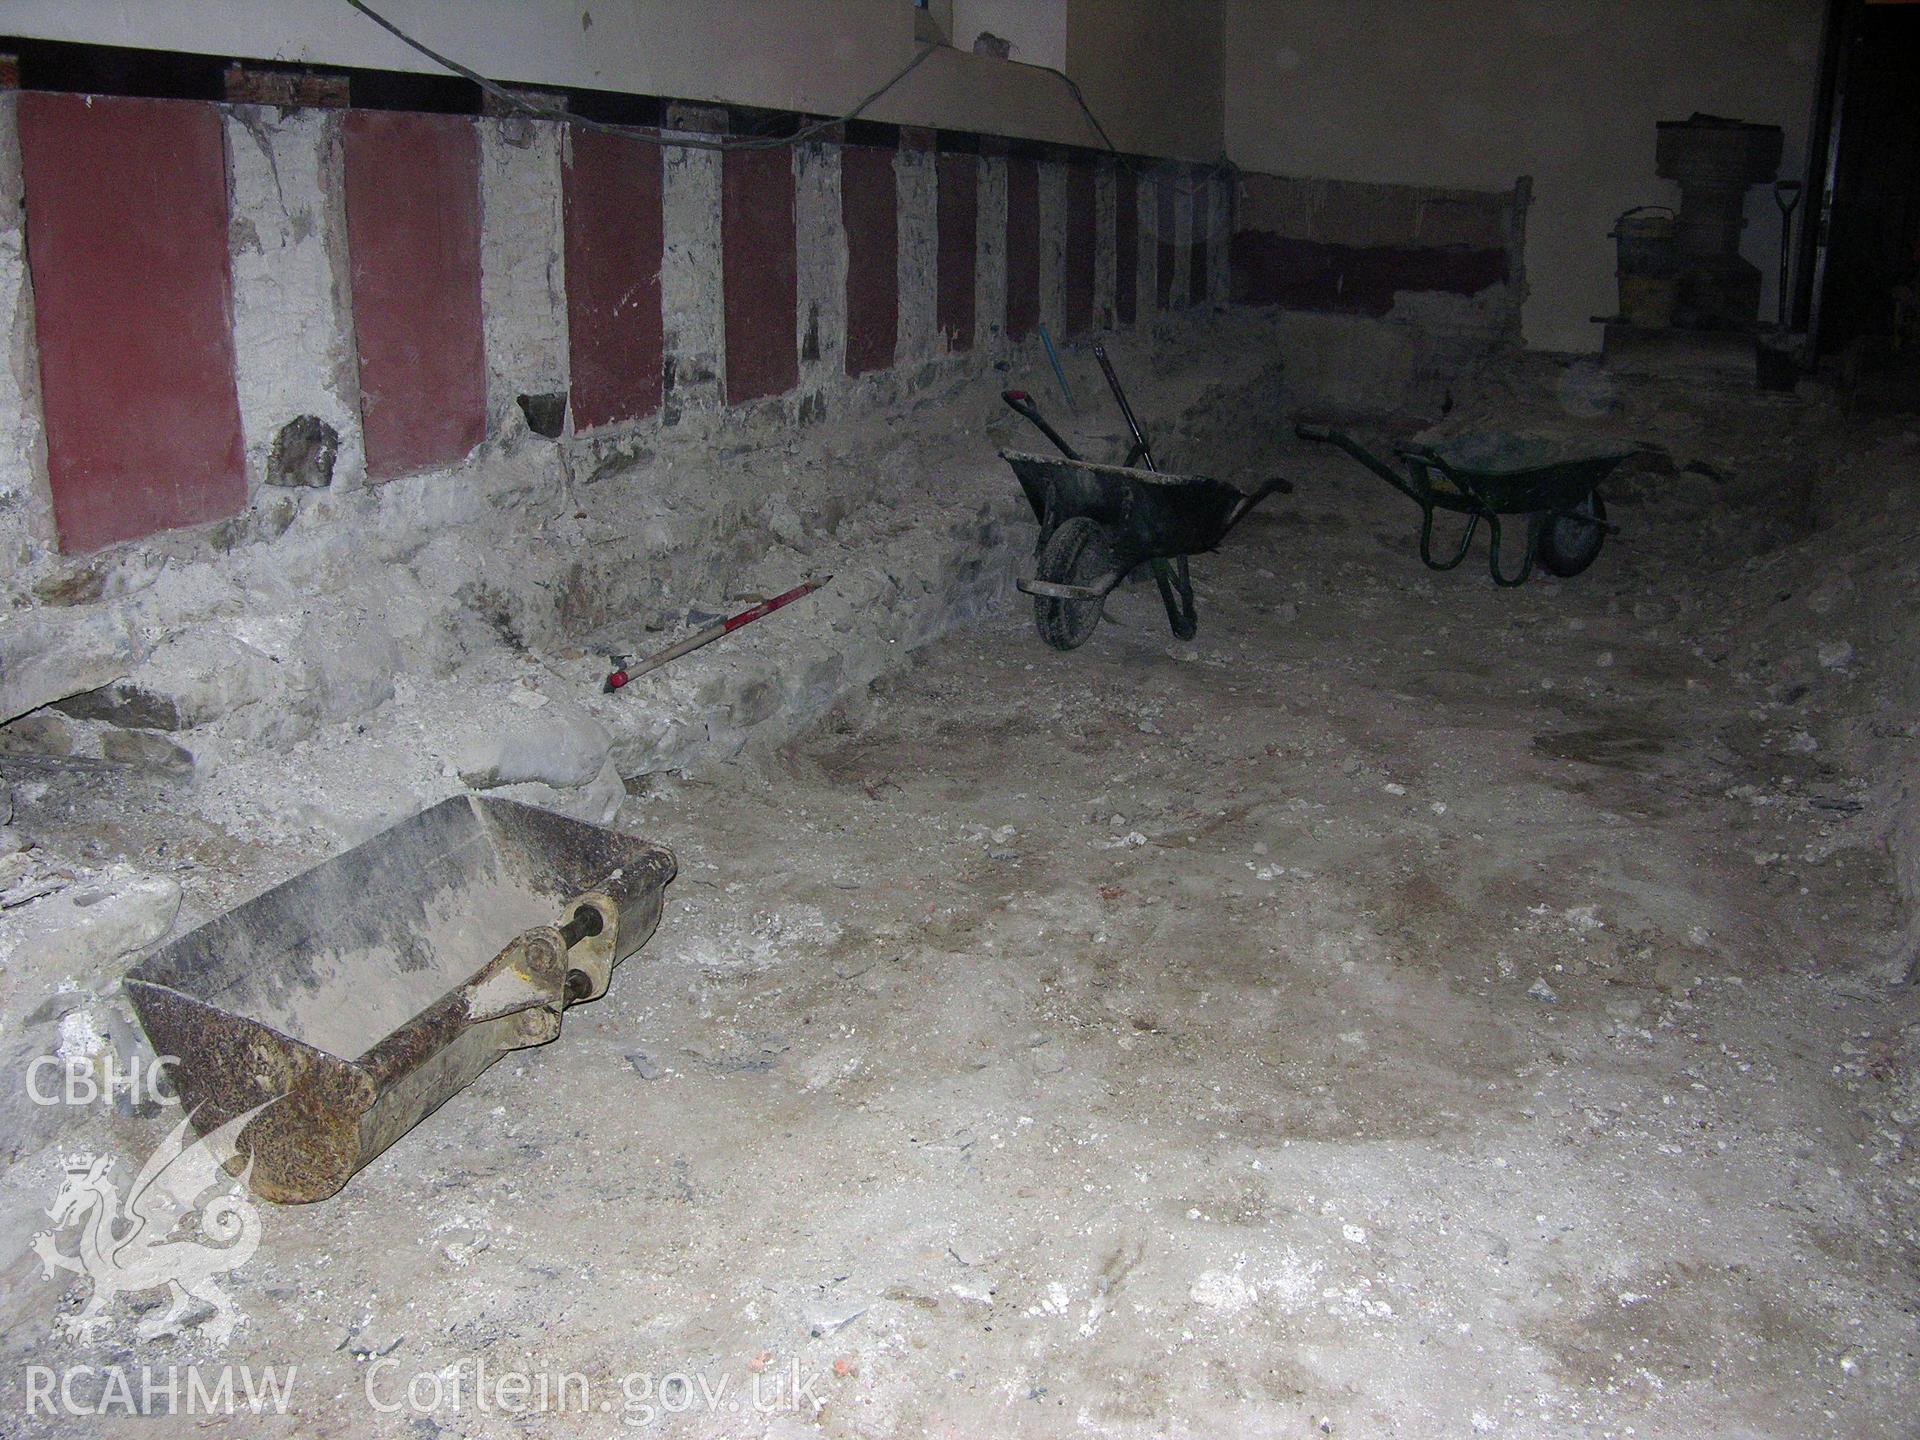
(1554, 486)
(1100, 523)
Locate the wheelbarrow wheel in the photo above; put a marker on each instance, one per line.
(1570, 541)
(1077, 553)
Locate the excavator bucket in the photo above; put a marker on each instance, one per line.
(360, 995)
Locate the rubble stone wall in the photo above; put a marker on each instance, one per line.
(331, 577)
(294, 269)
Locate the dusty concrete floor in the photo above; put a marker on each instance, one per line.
(1378, 1017)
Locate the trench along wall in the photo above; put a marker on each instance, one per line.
(578, 320)
(577, 323)
(572, 310)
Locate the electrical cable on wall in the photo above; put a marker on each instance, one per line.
(522, 106)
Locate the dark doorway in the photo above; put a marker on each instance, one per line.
(1865, 282)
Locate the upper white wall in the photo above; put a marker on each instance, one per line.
(1157, 66)
(1036, 28)
(1474, 93)
(819, 56)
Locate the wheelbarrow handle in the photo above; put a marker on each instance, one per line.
(1057, 590)
(1241, 507)
(1021, 403)
(1325, 435)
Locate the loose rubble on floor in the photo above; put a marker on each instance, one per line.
(1409, 1007)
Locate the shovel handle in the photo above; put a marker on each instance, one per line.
(1140, 453)
(1021, 403)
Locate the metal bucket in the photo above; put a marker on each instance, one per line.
(360, 995)
(1648, 266)
(1648, 302)
(1645, 236)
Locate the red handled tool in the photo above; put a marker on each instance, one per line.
(623, 672)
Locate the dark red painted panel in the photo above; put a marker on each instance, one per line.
(133, 293)
(959, 242)
(759, 269)
(1077, 282)
(413, 238)
(1023, 246)
(613, 237)
(1167, 192)
(1126, 245)
(870, 207)
(1202, 216)
(1270, 269)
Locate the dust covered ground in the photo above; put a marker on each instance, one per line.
(1409, 1009)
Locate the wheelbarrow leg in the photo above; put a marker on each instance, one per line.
(1176, 593)
(1426, 539)
(1526, 563)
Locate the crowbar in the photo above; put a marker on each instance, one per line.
(623, 672)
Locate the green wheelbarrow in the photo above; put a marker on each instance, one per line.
(1100, 523)
(1552, 485)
